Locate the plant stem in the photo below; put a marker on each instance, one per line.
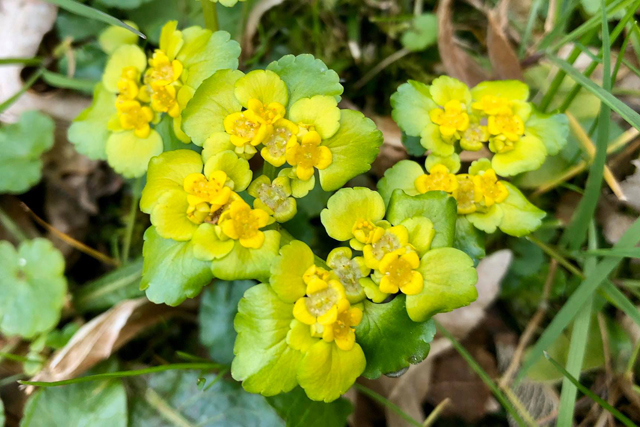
(12, 227)
(210, 15)
(131, 219)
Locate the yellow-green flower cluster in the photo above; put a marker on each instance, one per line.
(137, 90)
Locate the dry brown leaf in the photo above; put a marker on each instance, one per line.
(456, 60)
(23, 24)
(101, 337)
(504, 60)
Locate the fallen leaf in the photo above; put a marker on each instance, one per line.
(101, 337)
(457, 62)
(504, 60)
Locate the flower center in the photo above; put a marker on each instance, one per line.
(348, 273)
(473, 137)
(276, 142)
(268, 114)
(271, 195)
(309, 153)
(493, 190)
(493, 105)
(399, 272)
(320, 302)
(163, 71)
(243, 129)
(205, 196)
(366, 232)
(388, 243)
(164, 100)
(342, 325)
(506, 127)
(452, 119)
(439, 179)
(134, 116)
(467, 194)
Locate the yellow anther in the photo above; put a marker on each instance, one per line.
(242, 223)
(468, 194)
(493, 105)
(452, 120)
(398, 272)
(163, 100)
(439, 179)
(134, 116)
(163, 71)
(275, 145)
(269, 114)
(244, 129)
(212, 191)
(366, 232)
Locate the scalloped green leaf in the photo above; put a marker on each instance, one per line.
(300, 411)
(264, 361)
(22, 145)
(88, 132)
(391, 341)
(95, 404)
(402, 176)
(438, 206)
(171, 273)
(218, 307)
(223, 404)
(449, 283)
(245, 263)
(306, 76)
(354, 147)
(33, 287)
(422, 34)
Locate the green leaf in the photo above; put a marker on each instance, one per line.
(288, 269)
(89, 132)
(33, 287)
(172, 399)
(411, 105)
(306, 76)
(422, 34)
(171, 273)
(245, 263)
(347, 206)
(326, 372)
(412, 145)
(76, 27)
(402, 176)
(169, 138)
(123, 4)
(115, 286)
(469, 239)
(64, 82)
(22, 145)
(91, 13)
(2, 420)
(438, 206)
(449, 283)
(95, 404)
(297, 410)
(354, 147)
(218, 307)
(89, 62)
(391, 341)
(264, 361)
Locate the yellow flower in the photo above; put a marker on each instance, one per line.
(308, 154)
(509, 127)
(275, 145)
(493, 105)
(393, 239)
(242, 223)
(163, 70)
(467, 194)
(245, 130)
(439, 179)
(452, 120)
(398, 271)
(205, 197)
(321, 303)
(268, 114)
(128, 83)
(473, 137)
(132, 115)
(313, 275)
(493, 191)
(163, 100)
(366, 232)
(341, 331)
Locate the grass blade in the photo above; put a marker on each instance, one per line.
(620, 253)
(64, 82)
(576, 232)
(506, 404)
(386, 402)
(624, 420)
(620, 301)
(577, 346)
(91, 13)
(533, 15)
(579, 297)
(9, 102)
(123, 374)
(21, 61)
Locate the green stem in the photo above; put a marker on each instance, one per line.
(553, 253)
(131, 219)
(210, 15)
(34, 78)
(12, 227)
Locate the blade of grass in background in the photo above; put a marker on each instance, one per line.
(621, 253)
(578, 345)
(64, 82)
(533, 16)
(576, 232)
(624, 420)
(34, 78)
(383, 401)
(506, 404)
(91, 13)
(21, 61)
(620, 301)
(579, 297)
